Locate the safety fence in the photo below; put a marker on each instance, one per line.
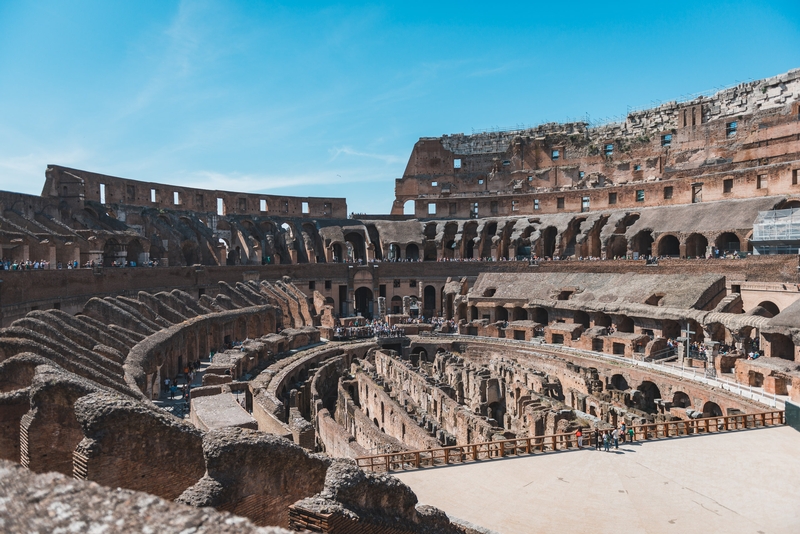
(490, 450)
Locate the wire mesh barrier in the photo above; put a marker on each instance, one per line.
(491, 450)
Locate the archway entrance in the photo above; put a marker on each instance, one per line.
(669, 246)
(364, 301)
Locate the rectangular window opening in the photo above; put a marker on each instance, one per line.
(480, 182)
(554, 155)
(609, 149)
(220, 207)
(102, 193)
(176, 198)
(312, 285)
(327, 284)
(153, 196)
(305, 207)
(560, 203)
(412, 283)
(515, 205)
(794, 177)
(434, 184)
(262, 205)
(536, 203)
(730, 129)
(473, 211)
(727, 185)
(640, 195)
(431, 208)
(637, 167)
(457, 163)
(668, 192)
(581, 174)
(612, 198)
(666, 140)
(761, 181)
(396, 283)
(585, 204)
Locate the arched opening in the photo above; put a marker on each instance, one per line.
(500, 313)
(111, 251)
(728, 242)
(669, 245)
(408, 207)
(412, 252)
(580, 317)
(190, 252)
(338, 253)
(429, 301)
(650, 393)
(768, 309)
(712, 409)
(696, 246)
(619, 383)
(540, 316)
(617, 246)
(520, 314)
(602, 319)
(430, 251)
(624, 324)
(393, 253)
(548, 241)
(449, 250)
(363, 297)
(670, 329)
(375, 240)
(681, 400)
(135, 253)
(359, 247)
(469, 249)
(473, 313)
(643, 243)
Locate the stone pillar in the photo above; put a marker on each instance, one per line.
(381, 309)
(406, 305)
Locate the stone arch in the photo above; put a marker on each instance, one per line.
(430, 251)
(500, 313)
(618, 382)
(696, 246)
(602, 319)
(429, 300)
(547, 242)
(770, 309)
(580, 317)
(539, 315)
(358, 244)
(649, 393)
(617, 246)
(669, 245)
(338, 252)
(728, 242)
(643, 243)
(473, 313)
(520, 314)
(711, 409)
(412, 252)
(681, 400)
(135, 250)
(363, 298)
(624, 324)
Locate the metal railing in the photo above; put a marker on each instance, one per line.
(491, 450)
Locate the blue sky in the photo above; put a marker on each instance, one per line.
(329, 99)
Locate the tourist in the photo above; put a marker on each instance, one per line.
(615, 435)
(579, 435)
(606, 440)
(622, 432)
(597, 439)
(631, 434)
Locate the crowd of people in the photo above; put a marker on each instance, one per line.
(607, 438)
(368, 328)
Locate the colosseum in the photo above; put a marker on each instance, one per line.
(200, 360)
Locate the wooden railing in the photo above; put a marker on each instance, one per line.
(489, 450)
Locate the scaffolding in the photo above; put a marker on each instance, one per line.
(777, 232)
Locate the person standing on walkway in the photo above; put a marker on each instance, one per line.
(606, 440)
(615, 435)
(579, 435)
(631, 434)
(597, 439)
(622, 432)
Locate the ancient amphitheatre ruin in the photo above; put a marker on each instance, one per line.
(549, 280)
